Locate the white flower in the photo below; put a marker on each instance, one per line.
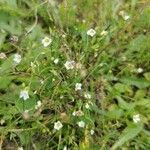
(56, 61)
(24, 94)
(78, 86)
(58, 125)
(41, 81)
(81, 124)
(61, 97)
(32, 65)
(38, 105)
(139, 70)
(74, 113)
(126, 17)
(2, 55)
(78, 113)
(64, 36)
(2, 121)
(104, 33)
(46, 41)
(17, 59)
(14, 38)
(65, 148)
(87, 95)
(91, 32)
(87, 106)
(20, 148)
(69, 64)
(92, 132)
(136, 118)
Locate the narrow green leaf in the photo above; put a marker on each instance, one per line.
(129, 133)
(140, 83)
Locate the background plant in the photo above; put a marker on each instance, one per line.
(113, 67)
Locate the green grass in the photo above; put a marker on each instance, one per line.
(113, 68)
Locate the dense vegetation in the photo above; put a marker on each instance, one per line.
(74, 74)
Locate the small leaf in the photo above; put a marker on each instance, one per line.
(114, 114)
(5, 81)
(147, 76)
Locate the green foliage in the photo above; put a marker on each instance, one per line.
(113, 66)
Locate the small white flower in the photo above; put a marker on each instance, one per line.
(87, 95)
(46, 41)
(17, 59)
(2, 55)
(69, 65)
(61, 97)
(53, 79)
(24, 94)
(74, 113)
(38, 105)
(139, 70)
(136, 118)
(104, 33)
(64, 36)
(81, 124)
(14, 38)
(91, 32)
(20, 148)
(84, 21)
(56, 61)
(87, 106)
(41, 81)
(78, 113)
(32, 65)
(126, 17)
(121, 13)
(65, 148)
(58, 125)
(92, 132)
(2, 121)
(78, 86)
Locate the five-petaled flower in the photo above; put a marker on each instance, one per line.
(78, 86)
(139, 70)
(58, 125)
(136, 118)
(91, 32)
(69, 65)
(87, 106)
(17, 59)
(24, 94)
(38, 105)
(46, 41)
(104, 33)
(81, 124)
(92, 132)
(56, 61)
(87, 95)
